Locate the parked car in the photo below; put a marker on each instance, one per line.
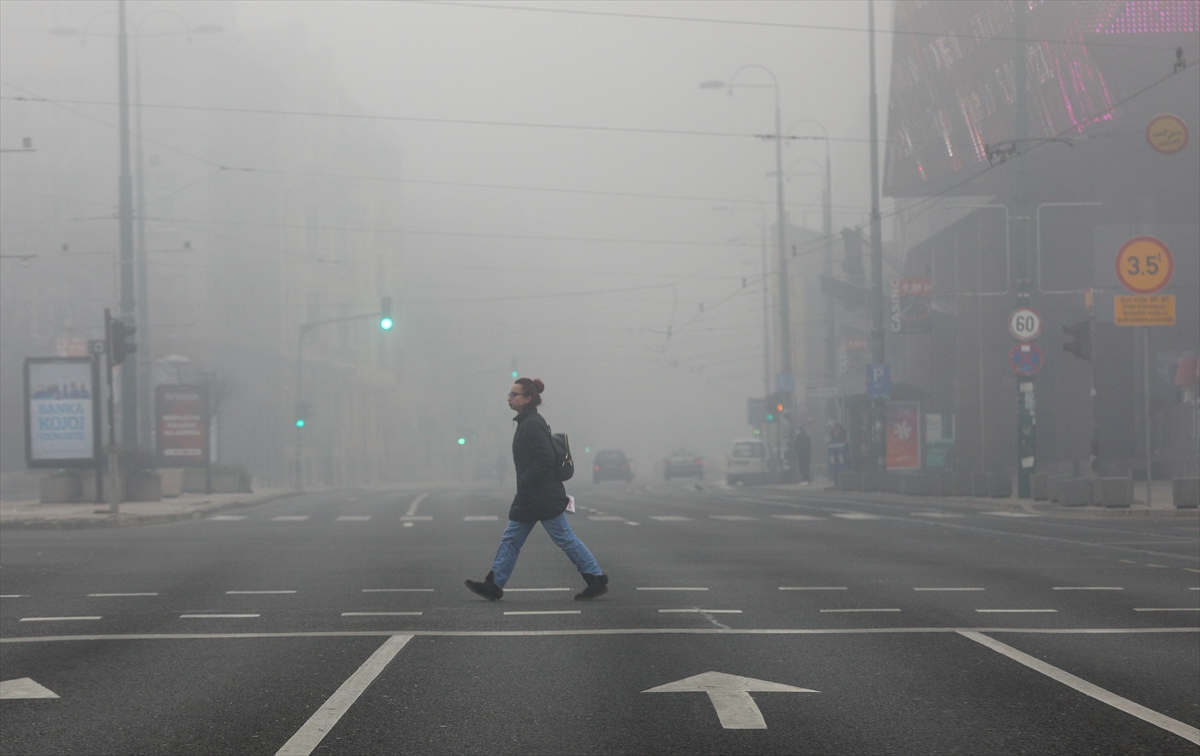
(612, 464)
(683, 464)
(747, 462)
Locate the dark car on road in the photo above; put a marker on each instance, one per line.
(612, 464)
(683, 464)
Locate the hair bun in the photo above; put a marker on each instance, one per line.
(537, 384)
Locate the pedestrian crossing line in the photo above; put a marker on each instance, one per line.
(733, 518)
(227, 518)
(658, 588)
(796, 517)
(1017, 611)
(254, 593)
(699, 611)
(1086, 588)
(533, 590)
(219, 616)
(480, 518)
(1012, 514)
(630, 522)
(949, 589)
(813, 588)
(670, 518)
(382, 614)
(117, 595)
(852, 611)
(606, 518)
(422, 518)
(565, 611)
(290, 518)
(855, 516)
(408, 524)
(397, 590)
(13, 595)
(353, 518)
(1172, 609)
(933, 514)
(57, 619)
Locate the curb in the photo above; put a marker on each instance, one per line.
(1016, 505)
(132, 520)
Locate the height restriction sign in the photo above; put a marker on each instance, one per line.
(1144, 265)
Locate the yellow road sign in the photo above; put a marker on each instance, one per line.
(1167, 134)
(1144, 265)
(1157, 309)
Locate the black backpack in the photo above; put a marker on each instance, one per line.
(564, 465)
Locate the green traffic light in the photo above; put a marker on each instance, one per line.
(462, 441)
(386, 324)
(514, 374)
(299, 422)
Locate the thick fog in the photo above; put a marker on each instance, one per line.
(540, 187)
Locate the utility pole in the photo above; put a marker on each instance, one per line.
(878, 438)
(1021, 209)
(125, 197)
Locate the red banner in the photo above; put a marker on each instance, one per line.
(903, 435)
(182, 413)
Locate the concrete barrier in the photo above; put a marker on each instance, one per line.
(1071, 492)
(1186, 492)
(1116, 493)
(1039, 486)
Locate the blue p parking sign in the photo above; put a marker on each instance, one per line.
(879, 381)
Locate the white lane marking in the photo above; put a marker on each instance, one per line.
(532, 590)
(733, 518)
(1171, 609)
(218, 616)
(933, 514)
(1173, 726)
(1086, 588)
(480, 518)
(846, 611)
(418, 518)
(254, 593)
(308, 737)
(14, 595)
(1194, 589)
(55, 619)
(795, 517)
(855, 516)
(353, 518)
(670, 589)
(229, 518)
(397, 590)
(670, 518)
(382, 614)
(606, 518)
(1017, 611)
(609, 631)
(730, 696)
(290, 518)
(949, 589)
(569, 611)
(412, 508)
(24, 687)
(630, 522)
(699, 611)
(813, 588)
(111, 595)
(1011, 514)
(408, 524)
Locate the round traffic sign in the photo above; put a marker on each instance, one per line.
(1167, 134)
(1025, 359)
(1144, 265)
(1024, 324)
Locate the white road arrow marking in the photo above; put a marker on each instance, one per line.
(730, 696)
(24, 688)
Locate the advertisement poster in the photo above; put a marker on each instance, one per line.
(182, 424)
(912, 305)
(903, 435)
(61, 412)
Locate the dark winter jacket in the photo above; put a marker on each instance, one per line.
(540, 495)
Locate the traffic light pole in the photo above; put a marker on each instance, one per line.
(129, 435)
(878, 357)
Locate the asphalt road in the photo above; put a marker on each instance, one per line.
(337, 623)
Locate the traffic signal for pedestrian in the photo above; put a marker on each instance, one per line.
(385, 314)
(303, 411)
(1080, 344)
(120, 345)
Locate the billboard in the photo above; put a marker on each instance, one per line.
(181, 420)
(903, 421)
(62, 412)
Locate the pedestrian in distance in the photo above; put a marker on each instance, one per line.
(540, 497)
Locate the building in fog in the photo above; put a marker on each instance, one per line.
(1019, 160)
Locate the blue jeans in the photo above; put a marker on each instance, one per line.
(563, 537)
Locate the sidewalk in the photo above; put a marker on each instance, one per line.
(33, 514)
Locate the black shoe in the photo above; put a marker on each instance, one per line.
(487, 588)
(597, 585)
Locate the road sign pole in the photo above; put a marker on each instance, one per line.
(1146, 413)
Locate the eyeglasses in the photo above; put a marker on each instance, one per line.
(514, 394)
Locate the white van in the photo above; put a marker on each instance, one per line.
(747, 461)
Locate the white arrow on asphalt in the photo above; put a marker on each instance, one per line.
(24, 688)
(730, 696)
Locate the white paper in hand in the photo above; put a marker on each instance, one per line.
(571, 504)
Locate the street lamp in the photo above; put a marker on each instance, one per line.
(785, 380)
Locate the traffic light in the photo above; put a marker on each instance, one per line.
(385, 314)
(303, 412)
(1080, 344)
(119, 344)
(515, 373)
(776, 406)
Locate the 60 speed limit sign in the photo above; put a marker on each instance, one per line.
(1024, 324)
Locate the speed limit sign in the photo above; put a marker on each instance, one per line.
(1024, 324)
